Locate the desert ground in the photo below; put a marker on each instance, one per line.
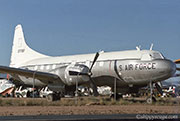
(90, 106)
(90, 110)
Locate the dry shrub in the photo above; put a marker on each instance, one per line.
(80, 101)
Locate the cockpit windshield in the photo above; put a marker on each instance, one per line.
(157, 56)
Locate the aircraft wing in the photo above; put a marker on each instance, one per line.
(45, 77)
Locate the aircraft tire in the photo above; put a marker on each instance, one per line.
(150, 101)
(28, 94)
(18, 95)
(118, 96)
(50, 97)
(53, 97)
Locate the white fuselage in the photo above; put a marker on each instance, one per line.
(132, 68)
(129, 67)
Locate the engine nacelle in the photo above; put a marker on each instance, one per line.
(71, 79)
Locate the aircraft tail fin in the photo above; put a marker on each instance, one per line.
(21, 53)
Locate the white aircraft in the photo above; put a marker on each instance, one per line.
(131, 69)
(6, 87)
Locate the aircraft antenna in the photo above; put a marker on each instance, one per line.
(151, 46)
(138, 48)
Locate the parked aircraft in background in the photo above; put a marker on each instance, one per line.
(6, 87)
(130, 69)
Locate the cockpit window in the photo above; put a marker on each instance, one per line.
(157, 56)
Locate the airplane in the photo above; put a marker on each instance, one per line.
(6, 87)
(125, 71)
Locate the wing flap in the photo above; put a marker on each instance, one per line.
(42, 76)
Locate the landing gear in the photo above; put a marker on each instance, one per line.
(54, 97)
(116, 96)
(151, 98)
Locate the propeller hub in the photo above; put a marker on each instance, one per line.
(90, 73)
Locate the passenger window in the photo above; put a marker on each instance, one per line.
(48, 67)
(101, 63)
(42, 67)
(36, 67)
(54, 66)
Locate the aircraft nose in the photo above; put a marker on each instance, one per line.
(170, 67)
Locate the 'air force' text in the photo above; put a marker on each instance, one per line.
(139, 66)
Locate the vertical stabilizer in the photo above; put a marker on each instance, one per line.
(21, 53)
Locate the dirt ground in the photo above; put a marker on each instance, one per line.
(39, 106)
(95, 109)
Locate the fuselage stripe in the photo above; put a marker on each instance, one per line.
(115, 69)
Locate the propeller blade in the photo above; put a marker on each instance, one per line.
(95, 58)
(94, 87)
(178, 69)
(177, 61)
(176, 75)
(92, 84)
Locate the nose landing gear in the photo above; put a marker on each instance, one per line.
(151, 98)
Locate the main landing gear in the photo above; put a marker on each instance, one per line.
(116, 96)
(55, 96)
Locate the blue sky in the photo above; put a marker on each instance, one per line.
(66, 27)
